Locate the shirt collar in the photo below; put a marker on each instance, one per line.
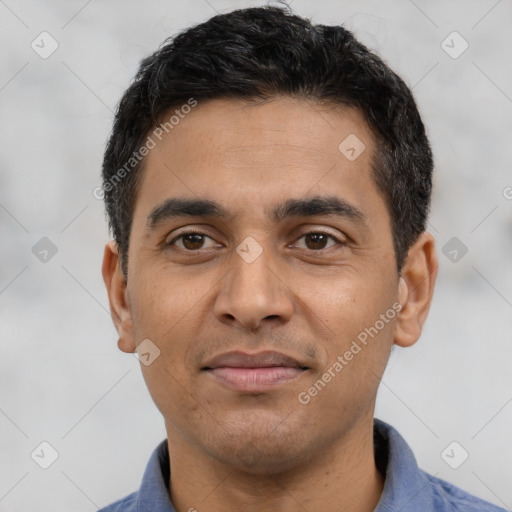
(153, 494)
(406, 487)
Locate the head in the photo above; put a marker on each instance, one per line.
(267, 183)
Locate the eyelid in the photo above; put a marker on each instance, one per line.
(302, 231)
(185, 232)
(339, 237)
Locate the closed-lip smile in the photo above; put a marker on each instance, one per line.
(253, 373)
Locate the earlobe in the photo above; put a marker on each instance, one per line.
(415, 290)
(118, 297)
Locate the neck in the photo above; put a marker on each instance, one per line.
(343, 478)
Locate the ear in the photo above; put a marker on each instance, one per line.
(118, 297)
(415, 290)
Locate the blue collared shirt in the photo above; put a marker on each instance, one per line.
(407, 488)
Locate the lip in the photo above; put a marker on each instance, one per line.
(252, 373)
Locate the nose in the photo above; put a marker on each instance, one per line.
(252, 294)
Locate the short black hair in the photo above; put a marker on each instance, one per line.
(260, 54)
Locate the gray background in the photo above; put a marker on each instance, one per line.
(62, 378)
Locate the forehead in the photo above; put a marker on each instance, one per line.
(249, 155)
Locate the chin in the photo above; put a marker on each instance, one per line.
(263, 449)
(254, 459)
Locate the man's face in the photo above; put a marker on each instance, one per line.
(269, 275)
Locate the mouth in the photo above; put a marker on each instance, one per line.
(252, 373)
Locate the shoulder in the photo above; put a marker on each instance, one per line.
(126, 504)
(450, 497)
(408, 488)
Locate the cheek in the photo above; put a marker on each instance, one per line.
(162, 303)
(163, 313)
(357, 319)
(357, 350)
(353, 303)
(171, 311)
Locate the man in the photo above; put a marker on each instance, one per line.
(267, 183)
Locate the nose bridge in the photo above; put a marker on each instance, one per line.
(255, 275)
(252, 291)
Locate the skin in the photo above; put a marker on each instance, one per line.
(267, 451)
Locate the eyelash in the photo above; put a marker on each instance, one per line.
(185, 233)
(322, 232)
(317, 231)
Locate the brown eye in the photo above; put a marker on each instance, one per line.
(316, 241)
(192, 241)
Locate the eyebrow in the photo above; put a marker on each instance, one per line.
(319, 205)
(176, 207)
